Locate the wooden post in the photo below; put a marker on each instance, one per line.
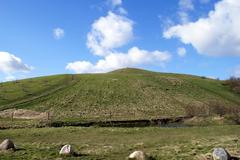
(110, 118)
(110, 115)
(12, 114)
(48, 116)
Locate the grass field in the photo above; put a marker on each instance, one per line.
(124, 94)
(117, 143)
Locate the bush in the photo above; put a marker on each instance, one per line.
(213, 108)
(196, 110)
(216, 108)
(234, 84)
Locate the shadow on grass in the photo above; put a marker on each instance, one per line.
(75, 154)
(19, 149)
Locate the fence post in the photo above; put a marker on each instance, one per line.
(12, 114)
(110, 115)
(48, 116)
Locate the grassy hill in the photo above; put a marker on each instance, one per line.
(123, 94)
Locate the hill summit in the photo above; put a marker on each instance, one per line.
(127, 93)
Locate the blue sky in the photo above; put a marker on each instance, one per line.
(45, 37)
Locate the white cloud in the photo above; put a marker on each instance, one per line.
(216, 35)
(9, 78)
(184, 7)
(181, 52)
(186, 4)
(184, 17)
(123, 11)
(211, 77)
(115, 3)
(10, 64)
(133, 58)
(236, 72)
(58, 33)
(108, 33)
(80, 67)
(166, 22)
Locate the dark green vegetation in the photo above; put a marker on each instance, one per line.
(117, 143)
(124, 94)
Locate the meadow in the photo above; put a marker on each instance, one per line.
(122, 95)
(117, 143)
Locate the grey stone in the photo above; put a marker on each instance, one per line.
(7, 144)
(220, 154)
(66, 150)
(138, 155)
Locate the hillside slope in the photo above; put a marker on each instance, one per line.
(121, 94)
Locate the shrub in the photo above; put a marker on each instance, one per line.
(196, 110)
(234, 84)
(216, 108)
(213, 108)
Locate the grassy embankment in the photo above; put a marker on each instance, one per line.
(126, 94)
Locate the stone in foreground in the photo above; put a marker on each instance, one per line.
(7, 144)
(138, 155)
(66, 150)
(220, 154)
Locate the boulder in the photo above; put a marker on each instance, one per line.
(220, 154)
(138, 155)
(66, 150)
(7, 144)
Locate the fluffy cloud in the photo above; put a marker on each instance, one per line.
(184, 7)
(184, 17)
(58, 33)
(9, 78)
(122, 11)
(115, 3)
(134, 57)
(108, 33)
(181, 52)
(80, 67)
(10, 64)
(216, 35)
(211, 77)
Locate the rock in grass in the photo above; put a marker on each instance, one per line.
(220, 154)
(66, 150)
(7, 144)
(137, 155)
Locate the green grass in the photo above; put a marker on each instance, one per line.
(119, 95)
(30, 89)
(125, 94)
(118, 143)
